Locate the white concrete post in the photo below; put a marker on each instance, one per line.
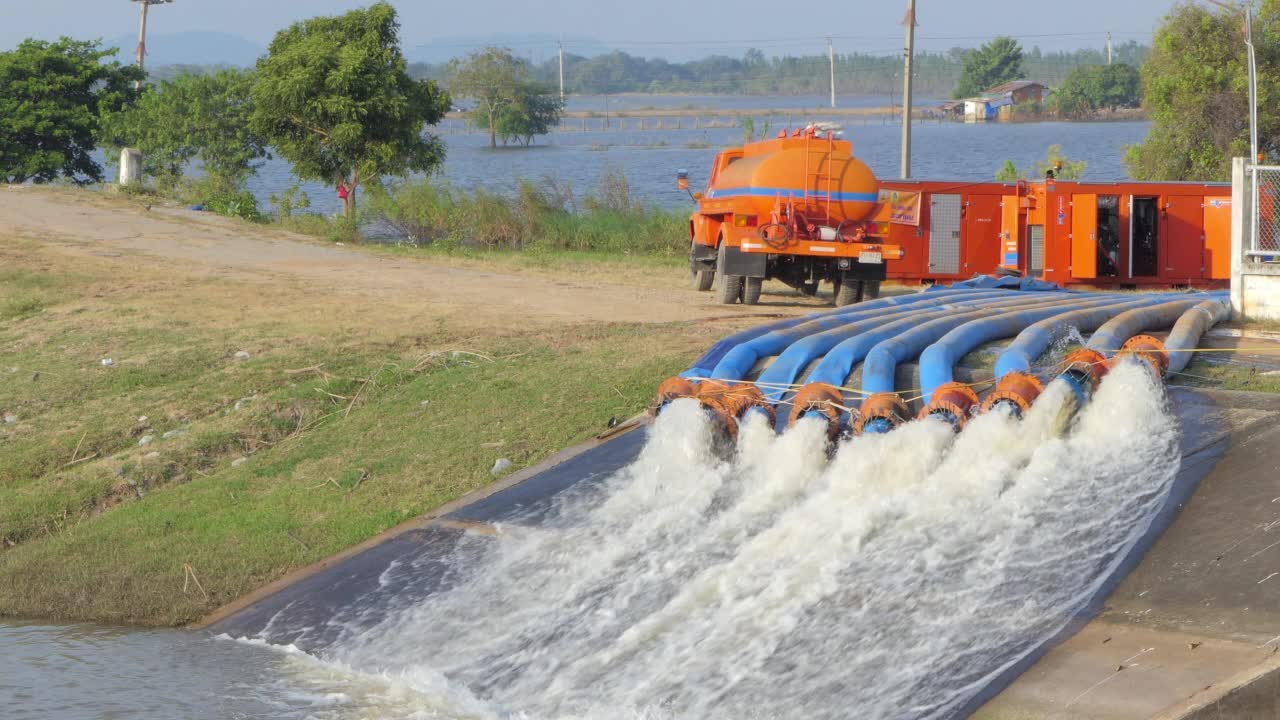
(1238, 236)
(130, 166)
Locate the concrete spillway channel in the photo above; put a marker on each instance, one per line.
(824, 513)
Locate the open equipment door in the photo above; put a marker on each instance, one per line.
(1084, 236)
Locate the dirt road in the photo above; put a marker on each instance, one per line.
(85, 225)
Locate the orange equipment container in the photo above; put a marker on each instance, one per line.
(1103, 235)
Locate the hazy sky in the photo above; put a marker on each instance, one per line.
(642, 27)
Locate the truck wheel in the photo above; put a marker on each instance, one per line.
(870, 289)
(751, 290)
(809, 289)
(702, 280)
(700, 277)
(848, 293)
(730, 285)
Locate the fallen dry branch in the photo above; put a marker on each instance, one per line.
(189, 577)
(80, 460)
(76, 453)
(438, 356)
(313, 369)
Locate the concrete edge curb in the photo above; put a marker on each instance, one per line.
(1209, 696)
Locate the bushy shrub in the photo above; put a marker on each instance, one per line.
(291, 200)
(220, 196)
(240, 203)
(540, 217)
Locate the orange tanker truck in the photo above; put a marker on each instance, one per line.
(798, 208)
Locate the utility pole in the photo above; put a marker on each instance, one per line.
(831, 60)
(142, 34)
(560, 45)
(1253, 88)
(1108, 48)
(1247, 8)
(906, 89)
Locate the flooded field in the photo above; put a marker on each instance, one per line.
(650, 158)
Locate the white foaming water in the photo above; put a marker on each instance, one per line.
(894, 580)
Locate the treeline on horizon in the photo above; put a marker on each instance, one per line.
(937, 74)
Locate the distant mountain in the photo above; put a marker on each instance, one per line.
(535, 46)
(195, 47)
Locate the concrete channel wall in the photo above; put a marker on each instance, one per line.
(1255, 286)
(1252, 695)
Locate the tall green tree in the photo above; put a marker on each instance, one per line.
(1196, 86)
(53, 96)
(1089, 89)
(999, 61)
(333, 98)
(204, 117)
(535, 110)
(493, 79)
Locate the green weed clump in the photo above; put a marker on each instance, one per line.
(540, 216)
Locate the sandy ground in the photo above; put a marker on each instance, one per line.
(84, 225)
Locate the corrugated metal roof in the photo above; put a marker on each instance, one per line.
(1013, 86)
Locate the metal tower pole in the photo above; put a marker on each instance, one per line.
(831, 60)
(906, 89)
(142, 41)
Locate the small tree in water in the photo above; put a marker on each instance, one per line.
(332, 96)
(1070, 170)
(507, 104)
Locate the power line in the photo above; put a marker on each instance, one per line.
(816, 40)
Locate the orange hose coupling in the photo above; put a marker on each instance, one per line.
(730, 401)
(1016, 390)
(952, 401)
(881, 412)
(820, 398)
(1086, 363)
(1147, 349)
(672, 388)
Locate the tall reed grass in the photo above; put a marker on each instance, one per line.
(541, 215)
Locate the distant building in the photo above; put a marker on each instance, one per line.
(997, 103)
(1018, 91)
(952, 109)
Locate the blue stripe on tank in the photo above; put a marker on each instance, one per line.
(791, 193)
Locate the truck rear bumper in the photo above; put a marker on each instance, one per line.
(819, 248)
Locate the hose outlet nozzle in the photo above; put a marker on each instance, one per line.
(952, 402)
(730, 401)
(1083, 369)
(1015, 391)
(881, 413)
(672, 389)
(1147, 349)
(819, 400)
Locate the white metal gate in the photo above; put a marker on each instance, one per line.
(944, 234)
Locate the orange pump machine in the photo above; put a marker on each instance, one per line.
(798, 208)
(1077, 233)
